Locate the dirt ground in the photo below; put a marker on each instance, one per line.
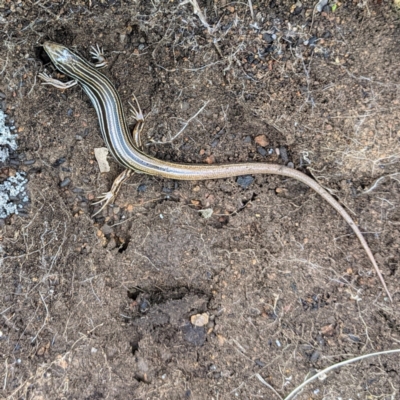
(100, 308)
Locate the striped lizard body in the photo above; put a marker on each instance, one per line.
(124, 147)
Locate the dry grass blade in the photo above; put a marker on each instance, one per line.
(335, 366)
(185, 125)
(199, 13)
(264, 382)
(251, 9)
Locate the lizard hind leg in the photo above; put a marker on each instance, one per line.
(108, 198)
(97, 54)
(137, 114)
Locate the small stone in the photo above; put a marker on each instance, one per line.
(247, 139)
(321, 4)
(142, 188)
(106, 229)
(315, 356)
(195, 335)
(328, 330)
(221, 340)
(60, 361)
(260, 363)
(262, 151)
(267, 37)
(245, 181)
(199, 319)
(210, 159)
(59, 162)
(261, 140)
(283, 154)
(354, 338)
(65, 182)
(101, 157)
(215, 142)
(144, 306)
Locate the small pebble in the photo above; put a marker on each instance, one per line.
(210, 159)
(260, 363)
(65, 182)
(23, 213)
(354, 338)
(262, 151)
(194, 335)
(144, 306)
(312, 41)
(247, 139)
(107, 229)
(261, 140)
(283, 154)
(214, 143)
(199, 319)
(327, 9)
(244, 181)
(315, 356)
(321, 4)
(297, 10)
(59, 162)
(142, 188)
(268, 38)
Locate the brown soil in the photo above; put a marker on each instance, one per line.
(100, 308)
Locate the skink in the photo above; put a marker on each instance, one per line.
(123, 145)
